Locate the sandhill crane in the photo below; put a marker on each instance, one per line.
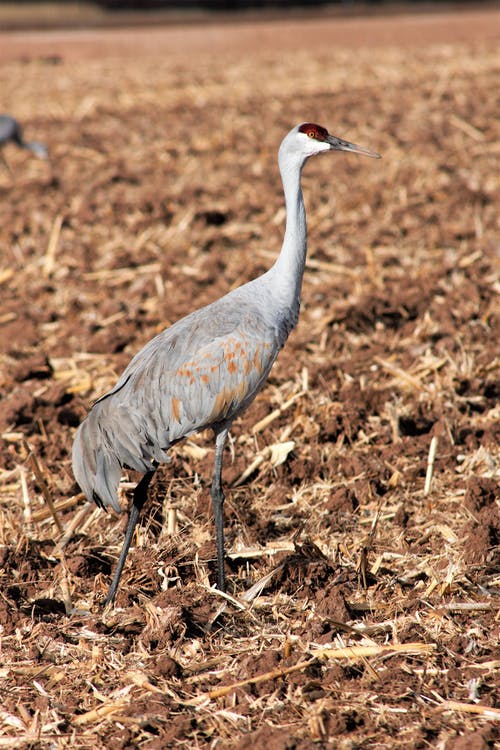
(205, 369)
(10, 130)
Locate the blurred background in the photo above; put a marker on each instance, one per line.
(57, 13)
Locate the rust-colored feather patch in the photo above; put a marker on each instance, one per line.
(176, 411)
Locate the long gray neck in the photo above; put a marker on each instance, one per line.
(288, 269)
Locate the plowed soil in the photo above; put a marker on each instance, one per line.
(363, 574)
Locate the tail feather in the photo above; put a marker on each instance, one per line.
(110, 438)
(107, 478)
(96, 466)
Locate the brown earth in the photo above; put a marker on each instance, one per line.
(378, 624)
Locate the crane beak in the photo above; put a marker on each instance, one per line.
(337, 144)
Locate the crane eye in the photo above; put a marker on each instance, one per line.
(311, 133)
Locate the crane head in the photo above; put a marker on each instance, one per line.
(315, 139)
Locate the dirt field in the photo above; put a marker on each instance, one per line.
(376, 622)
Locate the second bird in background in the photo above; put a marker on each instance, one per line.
(11, 131)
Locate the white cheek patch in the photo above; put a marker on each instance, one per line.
(316, 147)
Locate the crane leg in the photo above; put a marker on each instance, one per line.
(140, 496)
(218, 505)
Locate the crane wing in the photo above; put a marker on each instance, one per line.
(178, 387)
(201, 371)
(219, 381)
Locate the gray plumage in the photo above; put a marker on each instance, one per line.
(10, 130)
(205, 369)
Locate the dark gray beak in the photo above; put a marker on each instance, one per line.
(338, 144)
